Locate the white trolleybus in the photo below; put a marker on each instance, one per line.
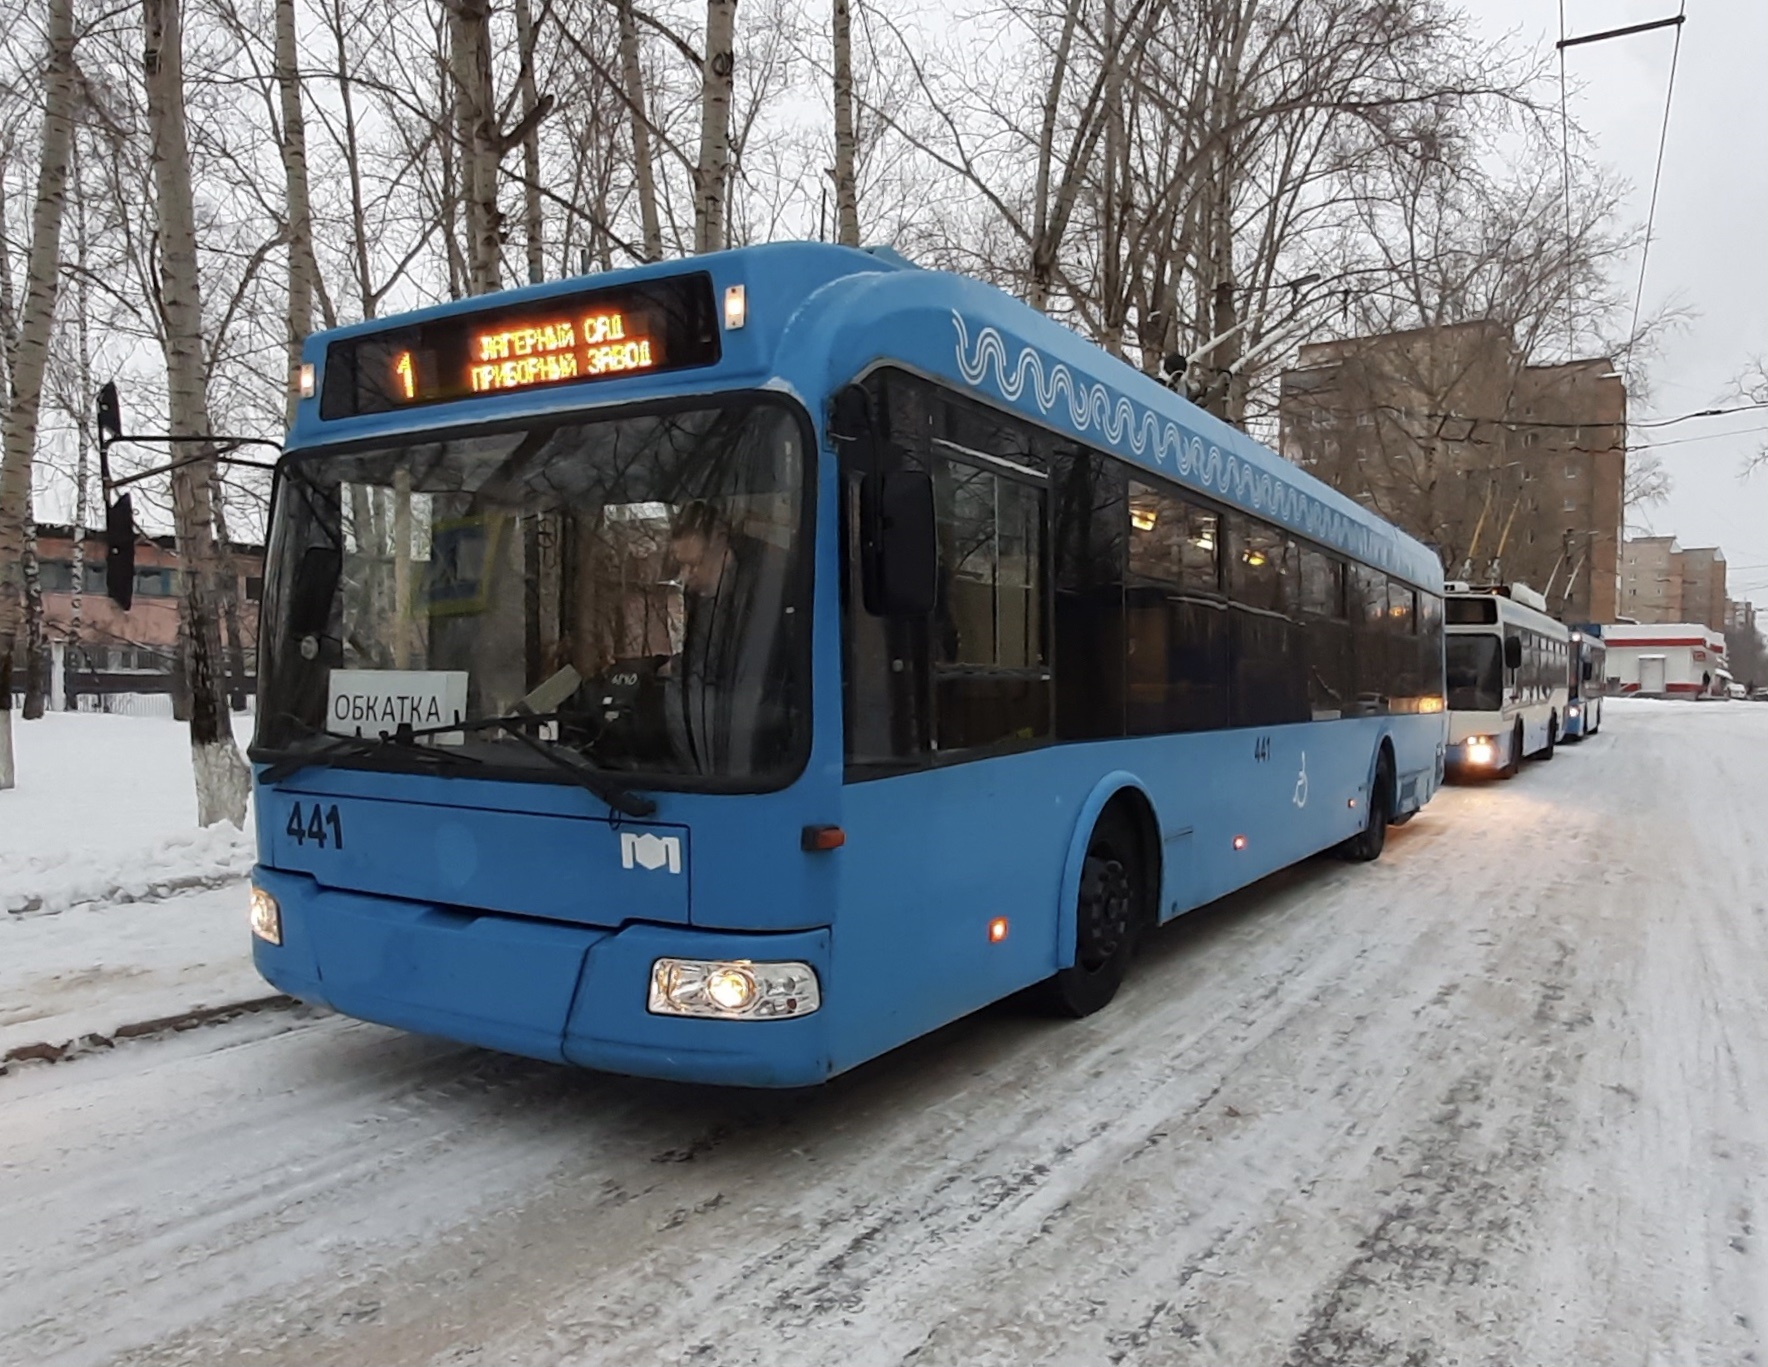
(1508, 668)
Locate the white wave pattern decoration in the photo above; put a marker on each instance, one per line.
(1089, 408)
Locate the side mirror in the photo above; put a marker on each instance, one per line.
(850, 417)
(901, 544)
(119, 551)
(1513, 652)
(316, 583)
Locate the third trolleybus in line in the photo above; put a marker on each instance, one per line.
(733, 668)
(1587, 682)
(1507, 671)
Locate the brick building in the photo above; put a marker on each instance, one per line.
(1662, 582)
(98, 648)
(1512, 471)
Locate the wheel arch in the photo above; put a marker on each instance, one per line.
(1122, 788)
(1384, 748)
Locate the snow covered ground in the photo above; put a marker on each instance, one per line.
(1501, 1098)
(115, 908)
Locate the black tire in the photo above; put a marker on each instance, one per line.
(1513, 765)
(1367, 844)
(1111, 913)
(1552, 737)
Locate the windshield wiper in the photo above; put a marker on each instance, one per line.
(565, 758)
(401, 742)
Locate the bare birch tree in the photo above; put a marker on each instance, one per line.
(712, 171)
(222, 779)
(846, 153)
(31, 349)
(303, 268)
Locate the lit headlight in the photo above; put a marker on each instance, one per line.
(266, 917)
(1479, 750)
(1572, 711)
(733, 989)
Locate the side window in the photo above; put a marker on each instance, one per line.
(1326, 633)
(990, 677)
(1173, 541)
(1430, 645)
(1177, 667)
(1322, 584)
(1270, 680)
(1402, 646)
(1088, 493)
(1368, 612)
(884, 667)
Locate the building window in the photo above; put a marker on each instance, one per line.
(1571, 504)
(1571, 469)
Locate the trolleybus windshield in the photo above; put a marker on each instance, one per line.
(640, 581)
(1473, 666)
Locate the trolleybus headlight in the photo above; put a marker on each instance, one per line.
(1479, 750)
(1572, 711)
(266, 917)
(733, 989)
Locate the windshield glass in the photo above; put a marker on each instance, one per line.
(642, 577)
(1472, 665)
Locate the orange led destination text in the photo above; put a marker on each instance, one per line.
(544, 353)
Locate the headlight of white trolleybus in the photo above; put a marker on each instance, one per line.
(733, 989)
(1479, 750)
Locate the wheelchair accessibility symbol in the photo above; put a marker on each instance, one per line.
(1301, 783)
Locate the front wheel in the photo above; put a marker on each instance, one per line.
(1367, 844)
(1513, 764)
(1110, 914)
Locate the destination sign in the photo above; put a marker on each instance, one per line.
(658, 325)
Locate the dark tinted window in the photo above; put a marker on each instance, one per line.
(1270, 683)
(1177, 674)
(991, 684)
(1475, 674)
(1088, 530)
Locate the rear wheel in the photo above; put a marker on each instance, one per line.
(1110, 914)
(1552, 737)
(1366, 846)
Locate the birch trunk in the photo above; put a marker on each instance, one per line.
(644, 170)
(18, 430)
(303, 269)
(533, 221)
(716, 85)
(475, 113)
(82, 430)
(846, 187)
(229, 587)
(36, 651)
(222, 779)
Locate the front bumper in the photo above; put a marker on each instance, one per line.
(564, 993)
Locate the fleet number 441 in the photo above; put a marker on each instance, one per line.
(313, 825)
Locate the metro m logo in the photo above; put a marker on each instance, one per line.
(650, 851)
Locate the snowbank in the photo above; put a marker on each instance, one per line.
(105, 812)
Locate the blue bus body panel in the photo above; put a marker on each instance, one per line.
(510, 915)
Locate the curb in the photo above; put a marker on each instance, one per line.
(46, 1052)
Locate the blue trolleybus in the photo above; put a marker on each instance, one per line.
(1588, 685)
(730, 669)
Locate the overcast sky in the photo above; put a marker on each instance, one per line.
(1709, 249)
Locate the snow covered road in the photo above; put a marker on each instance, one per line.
(1499, 1098)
